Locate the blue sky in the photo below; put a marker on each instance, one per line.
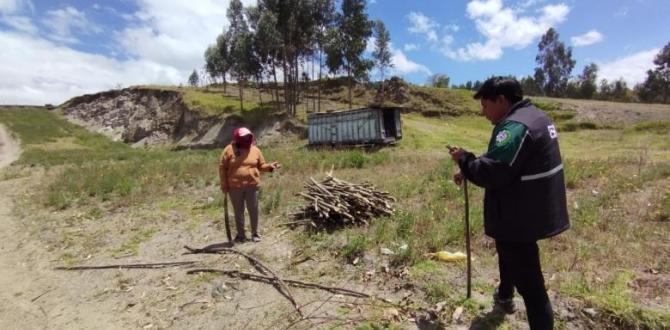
(54, 50)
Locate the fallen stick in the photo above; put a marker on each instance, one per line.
(280, 282)
(293, 223)
(268, 279)
(130, 266)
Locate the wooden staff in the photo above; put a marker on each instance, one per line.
(225, 217)
(467, 237)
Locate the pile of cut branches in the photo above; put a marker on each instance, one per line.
(335, 203)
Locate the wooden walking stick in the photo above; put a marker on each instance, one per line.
(467, 230)
(467, 237)
(225, 217)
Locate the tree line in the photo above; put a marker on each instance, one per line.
(553, 77)
(288, 38)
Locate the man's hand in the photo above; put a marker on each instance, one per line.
(456, 153)
(458, 178)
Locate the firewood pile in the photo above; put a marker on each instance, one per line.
(334, 203)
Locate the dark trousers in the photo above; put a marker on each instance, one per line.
(239, 197)
(520, 268)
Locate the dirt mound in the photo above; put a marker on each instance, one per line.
(394, 89)
(133, 115)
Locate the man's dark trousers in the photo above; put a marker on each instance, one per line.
(520, 268)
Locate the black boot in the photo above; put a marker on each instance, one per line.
(504, 305)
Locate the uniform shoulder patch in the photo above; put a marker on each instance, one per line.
(503, 137)
(552, 131)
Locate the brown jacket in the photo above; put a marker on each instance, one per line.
(241, 171)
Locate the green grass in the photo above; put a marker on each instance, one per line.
(132, 246)
(657, 127)
(571, 126)
(577, 170)
(443, 101)
(615, 298)
(547, 106)
(438, 291)
(47, 139)
(470, 132)
(355, 246)
(663, 212)
(429, 216)
(213, 103)
(424, 268)
(130, 182)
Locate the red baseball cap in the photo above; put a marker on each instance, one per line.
(240, 132)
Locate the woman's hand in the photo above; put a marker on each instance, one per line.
(275, 165)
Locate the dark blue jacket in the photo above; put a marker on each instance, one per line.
(522, 174)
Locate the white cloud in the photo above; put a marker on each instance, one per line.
(165, 40)
(175, 32)
(621, 12)
(19, 23)
(522, 5)
(370, 45)
(12, 14)
(401, 64)
(451, 28)
(63, 22)
(410, 47)
(588, 38)
(14, 6)
(422, 24)
(632, 68)
(32, 78)
(503, 27)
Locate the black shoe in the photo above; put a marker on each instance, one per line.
(240, 239)
(505, 305)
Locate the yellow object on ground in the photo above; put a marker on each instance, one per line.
(447, 256)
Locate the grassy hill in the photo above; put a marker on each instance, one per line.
(614, 259)
(431, 101)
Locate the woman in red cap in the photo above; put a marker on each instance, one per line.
(240, 165)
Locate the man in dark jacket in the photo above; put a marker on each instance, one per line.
(524, 198)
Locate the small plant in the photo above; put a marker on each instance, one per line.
(353, 159)
(437, 291)
(571, 126)
(69, 259)
(663, 213)
(560, 116)
(614, 297)
(657, 127)
(131, 247)
(355, 247)
(547, 106)
(270, 201)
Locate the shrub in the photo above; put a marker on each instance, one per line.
(571, 126)
(658, 127)
(355, 246)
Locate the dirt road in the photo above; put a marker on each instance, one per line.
(35, 296)
(32, 294)
(9, 148)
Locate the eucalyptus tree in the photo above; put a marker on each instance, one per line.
(555, 64)
(347, 43)
(382, 51)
